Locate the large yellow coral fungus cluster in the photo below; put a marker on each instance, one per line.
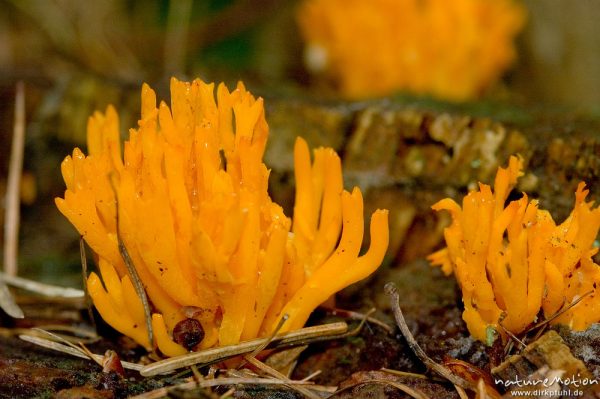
(513, 261)
(202, 232)
(450, 49)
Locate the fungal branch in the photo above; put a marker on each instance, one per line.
(379, 47)
(513, 262)
(217, 257)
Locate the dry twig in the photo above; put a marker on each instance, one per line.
(461, 392)
(512, 336)
(214, 355)
(276, 374)
(71, 350)
(13, 186)
(311, 376)
(405, 374)
(131, 270)
(41, 288)
(11, 221)
(359, 316)
(392, 291)
(77, 334)
(269, 340)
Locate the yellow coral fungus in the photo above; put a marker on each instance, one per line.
(191, 202)
(450, 49)
(513, 261)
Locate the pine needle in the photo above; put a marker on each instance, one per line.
(44, 289)
(71, 350)
(131, 270)
(359, 316)
(214, 355)
(276, 374)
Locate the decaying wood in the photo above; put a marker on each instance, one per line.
(549, 350)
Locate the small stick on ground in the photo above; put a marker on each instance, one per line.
(346, 334)
(7, 302)
(214, 355)
(461, 392)
(276, 374)
(227, 394)
(48, 290)
(392, 291)
(85, 350)
(66, 333)
(11, 221)
(75, 351)
(13, 186)
(137, 284)
(268, 341)
(359, 316)
(311, 376)
(512, 336)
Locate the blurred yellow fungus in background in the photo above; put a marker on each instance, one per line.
(513, 261)
(211, 248)
(448, 49)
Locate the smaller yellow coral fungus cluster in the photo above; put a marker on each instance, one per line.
(450, 49)
(511, 262)
(213, 252)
